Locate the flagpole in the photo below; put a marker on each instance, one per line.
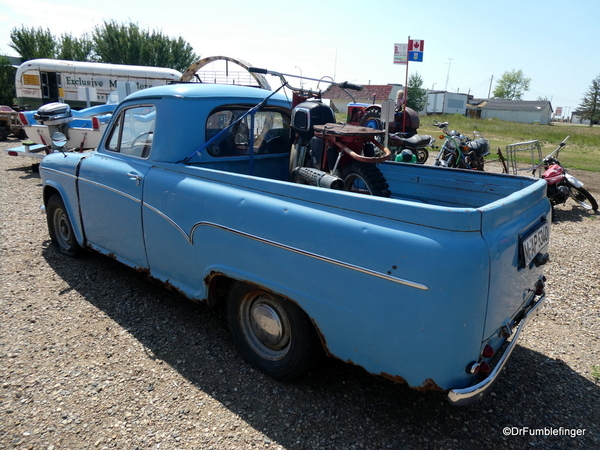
(405, 88)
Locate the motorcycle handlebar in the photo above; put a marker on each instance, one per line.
(346, 85)
(258, 70)
(343, 85)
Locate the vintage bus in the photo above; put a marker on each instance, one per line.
(81, 84)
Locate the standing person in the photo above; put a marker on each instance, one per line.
(400, 101)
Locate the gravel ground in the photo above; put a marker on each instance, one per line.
(95, 356)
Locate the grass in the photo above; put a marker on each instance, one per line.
(596, 373)
(581, 152)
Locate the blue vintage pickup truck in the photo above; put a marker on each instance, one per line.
(430, 286)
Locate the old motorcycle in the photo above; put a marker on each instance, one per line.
(407, 119)
(329, 154)
(460, 151)
(562, 185)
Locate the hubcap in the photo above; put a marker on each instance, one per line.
(63, 228)
(265, 325)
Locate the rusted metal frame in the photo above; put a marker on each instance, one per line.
(366, 159)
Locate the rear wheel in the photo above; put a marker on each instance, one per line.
(584, 198)
(364, 178)
(273, 334)
(60, 227)
(422, 155)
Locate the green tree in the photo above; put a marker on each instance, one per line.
(590, 103)
(128, 44)
(512, 85)
(7, 82)
(75, 49)
(416, 95)
(30, 43)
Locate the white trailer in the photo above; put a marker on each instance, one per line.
(81, 84)
(442, 102)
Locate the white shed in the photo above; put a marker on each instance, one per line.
(521, 111)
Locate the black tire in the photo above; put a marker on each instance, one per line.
(422, 155)
(60, 227)
(364, 178)
(584, 198)
(3, 134)
(273, 334)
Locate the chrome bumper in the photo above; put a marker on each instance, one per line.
(465, 396)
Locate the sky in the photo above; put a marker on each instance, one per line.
(468, 44)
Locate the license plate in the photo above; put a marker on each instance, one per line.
(534, 242)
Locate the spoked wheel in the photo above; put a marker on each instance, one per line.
(364, 178)
(273, 334)
(60, 227)
(584, 198)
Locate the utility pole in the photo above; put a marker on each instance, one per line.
(448, 76)
(490, 91)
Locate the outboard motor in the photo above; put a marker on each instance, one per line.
(56, 116)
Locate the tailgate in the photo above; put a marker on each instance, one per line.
(515, 229)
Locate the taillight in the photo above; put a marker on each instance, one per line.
(23, 119)
(484, 368)
(95, 123)
(488, 351)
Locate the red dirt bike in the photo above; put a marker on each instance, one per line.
(328, 154)
(561, 185)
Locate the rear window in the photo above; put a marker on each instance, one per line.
(271, 133)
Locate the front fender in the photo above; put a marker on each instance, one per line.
(573, 181)
(59, 176)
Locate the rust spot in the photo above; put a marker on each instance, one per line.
(428, 384)
(170, 287)
(394, 378)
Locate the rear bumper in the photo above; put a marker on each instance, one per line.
(465, 396)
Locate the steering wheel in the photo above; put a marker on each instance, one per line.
(139, 136)
(267, 146)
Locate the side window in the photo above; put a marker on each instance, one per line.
(271, 133)
(133, 131)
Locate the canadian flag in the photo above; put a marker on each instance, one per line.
(415, 45)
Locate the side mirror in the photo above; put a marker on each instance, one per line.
(59, 139)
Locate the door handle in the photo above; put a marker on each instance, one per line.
(136, 177)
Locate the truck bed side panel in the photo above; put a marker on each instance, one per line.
(393, 296)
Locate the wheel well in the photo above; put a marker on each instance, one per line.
(48, 192)
(219, 285)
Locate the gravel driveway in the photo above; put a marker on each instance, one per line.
(95, 356)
